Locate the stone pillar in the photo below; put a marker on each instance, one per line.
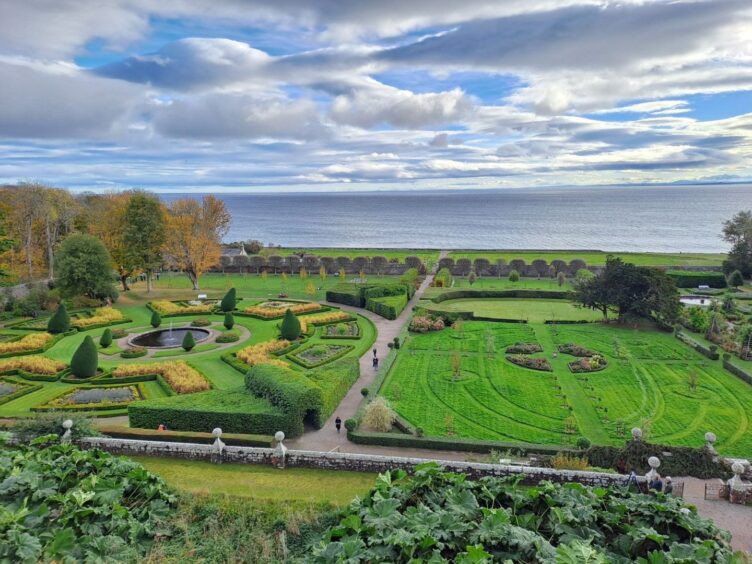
(736, 486)
(280, 451)
(67, 438)
(218, 447)
(710, 439)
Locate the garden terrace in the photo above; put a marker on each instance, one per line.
(644, 384)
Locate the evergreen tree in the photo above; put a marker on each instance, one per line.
(290, 328)
(85, 360)
(229, 301)
(736, 279)
(188, 341)
(60, 321)
(156, 320)
(229, 320)
(106, 339)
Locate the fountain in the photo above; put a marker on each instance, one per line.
(168, 338)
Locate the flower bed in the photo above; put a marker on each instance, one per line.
(347, 330)
(524, 348)
(316, 355)
(531, 362)
(274, 309)
(101, 316)
(262, 353)
(323, 319)
(588, 364)
(83, 399)
(575, 350)
(424, 324)
(229, 337)
(12, 389)
(133, 352)
(201, 322)
(32, 364)
(165, 307)
(28, 343)
(119, 333)
(181, 377)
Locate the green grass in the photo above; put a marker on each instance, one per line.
(535, 311)
(595, 258)
(260, 482)
(645, 385)
(180, 352)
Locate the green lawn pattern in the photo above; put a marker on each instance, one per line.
(536, 311)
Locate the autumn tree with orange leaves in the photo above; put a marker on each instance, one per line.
(194, 233)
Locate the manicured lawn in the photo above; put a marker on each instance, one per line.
(644, 385)
(535, 311)
(596, 258)
(260, 482)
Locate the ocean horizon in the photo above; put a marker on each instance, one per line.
(671, 218)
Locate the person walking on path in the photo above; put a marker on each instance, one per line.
(338, 424)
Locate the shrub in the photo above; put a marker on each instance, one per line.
(514, 276)
(101, 316)
(118, 333)
(32, 364)
(106, 339)
(396, 342)
(379, 415)
(334, 380)
(419, 432)
(583, 443)
(181, 376)
(261, 353)
(201, 322)
(290, 328)
(351, 424)
(364, 392)
(424, 324)
(60, 321)
(227, 338)
(229, 301)
(27, 343)
(569, 462)
(561, 279)
(133, 352)
(85, 360)
(156, 319)
(688, 279)
(188, 341)
(229, 321)
(443, 278)
(735, 279)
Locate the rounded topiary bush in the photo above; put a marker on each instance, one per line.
(188, 341)
(290, 327)
(85, 360)
(229, 321)
(106, 339)
(583, 443)
(230, 300)
(156, 320)
(351, 424)
(60, 321)
(364, 392)
(514, 276)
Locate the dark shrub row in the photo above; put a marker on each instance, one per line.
(703, 350)
(687, 279)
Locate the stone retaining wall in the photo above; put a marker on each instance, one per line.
(344, 461)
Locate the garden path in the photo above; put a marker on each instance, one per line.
(327, 438)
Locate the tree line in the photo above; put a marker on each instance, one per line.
(138, 233)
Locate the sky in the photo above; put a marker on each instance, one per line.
(320, 95)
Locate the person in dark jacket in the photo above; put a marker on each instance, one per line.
(338, 423)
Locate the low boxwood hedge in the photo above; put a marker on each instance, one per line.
(231, 439)
(305, 364)
(233, 411)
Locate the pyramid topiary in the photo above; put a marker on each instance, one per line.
(229, 320)
(106, 339)
(229, 301)
(156, 320)
(290, 328)
(60, 321)
(85, 360)
(188, 341)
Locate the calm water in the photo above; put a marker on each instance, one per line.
(666, 218)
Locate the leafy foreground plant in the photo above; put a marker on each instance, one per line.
(436, 516)
(64, 504)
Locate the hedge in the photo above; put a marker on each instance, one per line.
(231, 439)
(357, 295)
(347, 294)
(480, 294)
(31, 377)
(233, 411)
(334, 380)
(388, 307)
(453, 443)
(290, 391)
(736, 371)
(703, 350)
(90, 407)
(689, 279)
(302, 362)
(22, 391)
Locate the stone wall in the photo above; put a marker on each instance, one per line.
(344, 461)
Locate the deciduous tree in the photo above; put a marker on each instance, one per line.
(83, 267)
(738, 232)
(144, 234)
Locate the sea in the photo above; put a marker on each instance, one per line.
(674, 218)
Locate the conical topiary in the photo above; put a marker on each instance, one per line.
(290, 328)
(60, 321)
(229, 320)
(229, 301)
(85, 360)
(188, 341)
(156, 320)
(106, 339)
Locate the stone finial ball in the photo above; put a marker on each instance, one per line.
(654, 462)
(710, 437)
(684, 511)
(279, 436)
(737, 468)
(67, 424)
(636, 433)
(217, 432)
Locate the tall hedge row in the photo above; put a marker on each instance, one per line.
(288, 390)
(688, 279)
(335, 380)
(388, 307)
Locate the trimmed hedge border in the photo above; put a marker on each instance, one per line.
(52, 342)
(738, 372)
(231, 439)
(703, 350)
(480, 294)
(90, 407)
(307, 365)
(26, 388)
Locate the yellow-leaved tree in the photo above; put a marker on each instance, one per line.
(194, 233)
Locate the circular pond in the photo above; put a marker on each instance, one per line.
(166, 338)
